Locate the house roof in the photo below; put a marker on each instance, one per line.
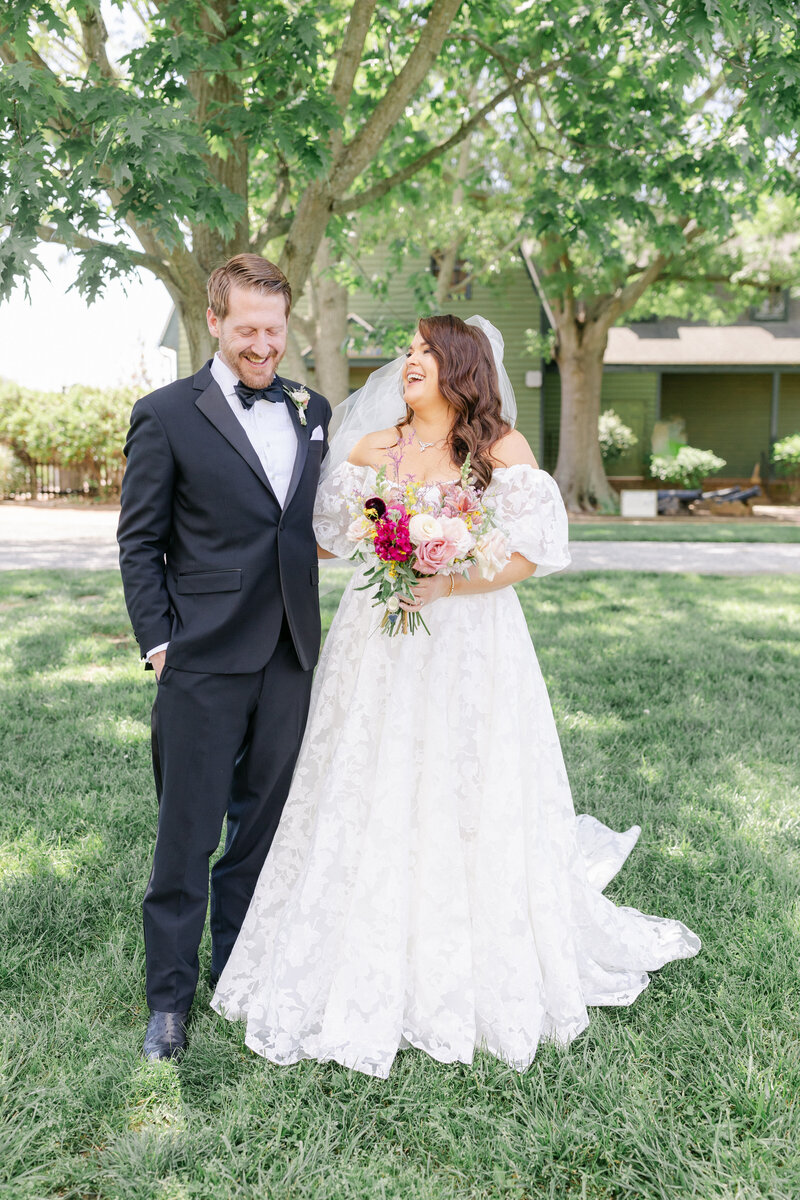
(674, 343)
(170, 336)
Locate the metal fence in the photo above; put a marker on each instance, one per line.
(44, 481)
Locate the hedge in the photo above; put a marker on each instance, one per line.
(81, 428)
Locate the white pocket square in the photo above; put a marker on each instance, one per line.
(316, 434)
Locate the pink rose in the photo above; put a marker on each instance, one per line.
(432, 556)
(455, 530)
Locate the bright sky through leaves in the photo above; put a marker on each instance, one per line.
(57, 339)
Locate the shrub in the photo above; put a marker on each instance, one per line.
(13, 476)
(786, 455)
(615, 436)
(686, 469)
(82, 427)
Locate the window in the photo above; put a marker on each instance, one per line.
(459, 290)
(774, 306)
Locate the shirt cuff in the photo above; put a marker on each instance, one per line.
(156, 650)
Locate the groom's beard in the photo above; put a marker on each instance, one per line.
(251, 374)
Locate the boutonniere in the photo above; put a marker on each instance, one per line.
(299, 398)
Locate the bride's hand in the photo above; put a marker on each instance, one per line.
(425, 591)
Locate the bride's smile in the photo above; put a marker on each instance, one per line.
(421, 377)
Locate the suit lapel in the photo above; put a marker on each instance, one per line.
(215, 407)
(302, 447)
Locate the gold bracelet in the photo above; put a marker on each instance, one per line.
(452, 586)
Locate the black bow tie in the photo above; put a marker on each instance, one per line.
(248, 395)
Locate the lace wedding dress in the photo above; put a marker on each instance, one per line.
(429, 884)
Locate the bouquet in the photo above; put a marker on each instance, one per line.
(408, 530)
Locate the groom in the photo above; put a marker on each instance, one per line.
(219, 566)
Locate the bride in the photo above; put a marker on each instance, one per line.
(429, 884)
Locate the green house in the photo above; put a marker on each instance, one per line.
(734, 389)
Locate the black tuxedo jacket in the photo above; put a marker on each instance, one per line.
(209, 559)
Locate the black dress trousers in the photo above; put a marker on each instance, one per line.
(224, 745)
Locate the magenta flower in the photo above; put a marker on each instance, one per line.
(392, 543)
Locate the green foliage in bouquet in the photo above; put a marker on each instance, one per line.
(82, 428)
(615, 436)
(686, 469)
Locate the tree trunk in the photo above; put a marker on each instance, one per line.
(449, 259)
(292, 364)
(192, 311)
(330, 303)
(579, 471)
(304, 237)
(220, 92)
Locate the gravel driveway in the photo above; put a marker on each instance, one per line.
(51, 537)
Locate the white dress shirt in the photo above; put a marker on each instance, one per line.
(269, 428)
(270, 431)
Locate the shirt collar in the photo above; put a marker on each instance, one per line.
(225, 377)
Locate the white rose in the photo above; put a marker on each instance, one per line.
(456, 531)
(393, 604)
(423, 528)
(491, 553)
(358, 529)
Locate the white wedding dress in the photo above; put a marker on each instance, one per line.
(429, 884)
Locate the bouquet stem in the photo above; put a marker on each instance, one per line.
(401, 621)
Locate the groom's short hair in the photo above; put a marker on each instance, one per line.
(249, 271)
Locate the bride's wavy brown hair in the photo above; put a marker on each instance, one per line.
(468, 382)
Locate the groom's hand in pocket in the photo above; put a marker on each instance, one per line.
(157, 661)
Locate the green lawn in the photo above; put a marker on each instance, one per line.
(744, 530)
(677, 704)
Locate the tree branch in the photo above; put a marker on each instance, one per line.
(352, 203)
(708, 93)
(32, 56)
(81, 241)
(68, 52)
(271, 229)
(474, 276)
(155, 251)
(609, 309)
(357, 154)
(143, 11)
(349, 58)
(274, 224)
(745, 281)
(304, 326)
(94, 36)
(8, 56)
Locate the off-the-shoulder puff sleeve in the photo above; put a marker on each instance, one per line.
(332, 514)
(529, 510)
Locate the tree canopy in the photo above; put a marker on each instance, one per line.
(632, 150)
(204, 128)
(651, 171)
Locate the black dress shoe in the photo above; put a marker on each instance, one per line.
(166, 1036)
